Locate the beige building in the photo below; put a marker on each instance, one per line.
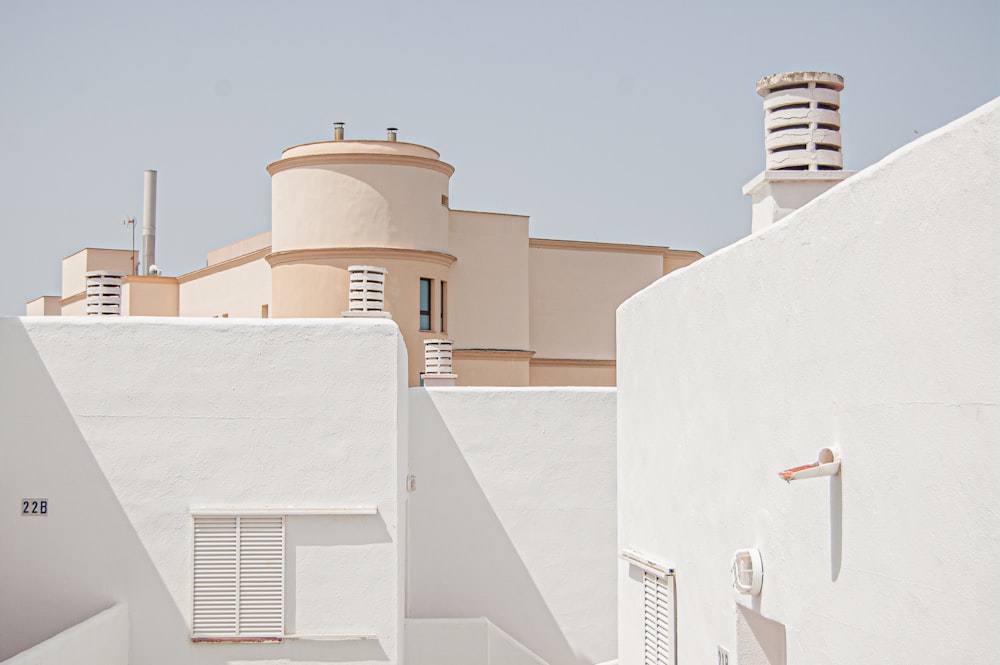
(521, 311)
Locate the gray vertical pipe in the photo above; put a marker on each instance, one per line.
(149, 222)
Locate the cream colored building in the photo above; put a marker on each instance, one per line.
(521, 311)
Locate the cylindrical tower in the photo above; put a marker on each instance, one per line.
(802, 121)
(342, 203)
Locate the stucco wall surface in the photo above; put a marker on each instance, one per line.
(359, 205)
(463, 642)
(239, 292)
(867, 320)
(100, 640)
(513, 518)
(488, 291)
(126, 424)
(574, 295)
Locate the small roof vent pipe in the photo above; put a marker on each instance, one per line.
(391, 134)
(338, 131)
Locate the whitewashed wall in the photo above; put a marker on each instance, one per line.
(868, 320)
(513, 518)
(125, 424)
(463, 642)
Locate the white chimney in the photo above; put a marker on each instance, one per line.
(149, 222)
(104, 293)
(366, 292)
(438, 369)
(802, 143)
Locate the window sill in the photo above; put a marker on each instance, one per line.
(332, 637)
(236, 640)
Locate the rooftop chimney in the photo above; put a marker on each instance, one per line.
(392, 134)
(148, 221)
(366, 292)
(802, 144)
(338, 131)
(802, 121)
(104, 292)
(437, 363)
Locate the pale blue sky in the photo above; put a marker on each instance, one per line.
(628, 122)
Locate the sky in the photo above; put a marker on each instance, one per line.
(632, 122)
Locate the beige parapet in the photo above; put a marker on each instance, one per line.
(492, 367)
(150, 296)
(572, 372)
(44, 306)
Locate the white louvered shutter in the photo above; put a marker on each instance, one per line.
(238, 576)
(658, 619)
(262, 565)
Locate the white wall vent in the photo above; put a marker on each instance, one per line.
(239, 579)
(104, 293)
(658, 619)
(366, 293)
(437, 356)
(748, 572)
(802, 121)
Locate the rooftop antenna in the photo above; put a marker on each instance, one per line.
(130, 221)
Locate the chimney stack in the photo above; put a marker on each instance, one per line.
(392, 134)
(437, 363)
(802, 144)
(338, 131)
(366, 292)
(148, 221)
(104, 292)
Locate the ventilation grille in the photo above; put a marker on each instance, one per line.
(802, 126)
(437, 356)
(104, 293)
(367, 289)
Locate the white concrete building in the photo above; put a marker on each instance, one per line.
(274, 491)
(866, 322)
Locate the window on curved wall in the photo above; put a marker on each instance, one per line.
(442, 308)
(425, 303)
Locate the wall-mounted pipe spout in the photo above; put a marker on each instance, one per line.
(827, 464)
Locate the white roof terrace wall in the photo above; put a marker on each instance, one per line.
(866, 320)
(513, 518)
(124, 426)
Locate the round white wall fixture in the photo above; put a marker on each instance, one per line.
(748, 572)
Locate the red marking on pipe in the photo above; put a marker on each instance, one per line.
(787, 474)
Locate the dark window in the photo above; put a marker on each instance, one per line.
(444, 299)
(425, 303)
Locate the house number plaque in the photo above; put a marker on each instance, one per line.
(34, 507)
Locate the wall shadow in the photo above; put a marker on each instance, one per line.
(462, 563)
(759, 640)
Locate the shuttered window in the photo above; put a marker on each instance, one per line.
(658, 619)
(239, 564)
